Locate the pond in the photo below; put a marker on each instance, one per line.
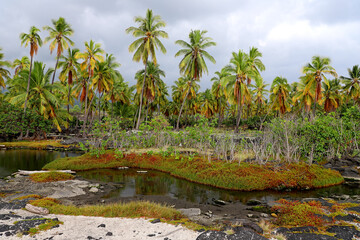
(133, 183)
(25, 159)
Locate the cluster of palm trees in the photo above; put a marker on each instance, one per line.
(91, 76)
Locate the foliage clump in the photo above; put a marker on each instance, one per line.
(51, 176)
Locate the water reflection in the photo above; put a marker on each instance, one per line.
(24, 159)
(132, 183)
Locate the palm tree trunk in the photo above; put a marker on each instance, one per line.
(141, 98)
(182, 106)
(56, 64)
(147, 110)
(100, 96)
(68, 104)
(88, 111)
(112, 109)
(239, 111)
(85, 120)
(219, 104)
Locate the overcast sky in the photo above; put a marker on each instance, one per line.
(287, 32)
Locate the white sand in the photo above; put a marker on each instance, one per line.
(80, 227)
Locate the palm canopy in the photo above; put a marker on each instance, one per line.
(33, 39)
(4, 73)
(352, 82)
(304, 94)
(58, 35)
(280, 90)
(193, 63)
(19, 64)
(148, 33)
(69, 66)
(91, 54)
(332, 97)
(152, 81)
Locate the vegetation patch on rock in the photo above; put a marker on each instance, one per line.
(51, 176)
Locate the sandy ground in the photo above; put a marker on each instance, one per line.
(81, 227)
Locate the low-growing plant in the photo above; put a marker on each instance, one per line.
(51, 176)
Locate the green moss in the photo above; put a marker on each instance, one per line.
(50, 223)
(51, 176)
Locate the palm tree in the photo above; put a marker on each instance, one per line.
(259, 93)
(33, 39)
(256, 64)
(304, 94)
(148, 34)
(217, 90)
(120, 92)
(352, 83)
(59, 37)
(193, 63)
(90, 56)
(280, 90)
(102, 80)
(332, 97)
(69, 71)
(40, 96)
(208, 103)
(19, 64)
(316, 70)
(4, 73)
(237, 92)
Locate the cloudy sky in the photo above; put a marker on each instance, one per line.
(287, 32)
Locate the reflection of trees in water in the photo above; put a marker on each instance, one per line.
(13, 160)
(152, 185)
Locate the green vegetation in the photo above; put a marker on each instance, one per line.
(49, 223)
(34, 144)
(228, 175)
(51, 176)
(130, 210)
(28, 196)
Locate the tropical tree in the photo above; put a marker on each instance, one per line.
(304, 94)
(120, 92)
(236, 89)
(102, 80)
(217, 89)
(147, 33)
(259, 93)
(58, 35)
(316, 70)
(4, 73)
(34, 40)
(208, 103)
(352, 83)
(41, 94)
(279, 97)
(69, 66)
(255, 62)
(193, 63)
(332, 97)
(19, 64)
(91, 54)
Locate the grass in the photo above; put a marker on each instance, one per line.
(130, 210)
(28, 196)
(234, 176)
(50, 223)
(51, 176)
(34, 144)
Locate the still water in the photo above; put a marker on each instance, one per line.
(24, 159)
(131, 183)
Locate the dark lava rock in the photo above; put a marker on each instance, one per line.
(16, 204)
(102, 225)
(243, 233)
(212, 235)
(151, 235)
(306, 229)
(355, 209)
(25, 225)
(8, 216)
(349, 218)
(4, 228)
(253, 226)
(344, 232)
(253, 202)
(109, 234)
(155, 221)
(308, 236)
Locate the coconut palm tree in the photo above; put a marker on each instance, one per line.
(148, 33)
(90, 56)
(352, 83)
(59, 39)
(34, 40)
(316, 70)
(255, 62)
(120, 92)
(193, 63)
(41, 95)
(19, 64)
(332, 97)
(69, 66)
(304, 94)
(208, 103)
(236, 89)
(280, 90)
(4, 73)
(218, 90)
(259, 93)
(102, 80)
